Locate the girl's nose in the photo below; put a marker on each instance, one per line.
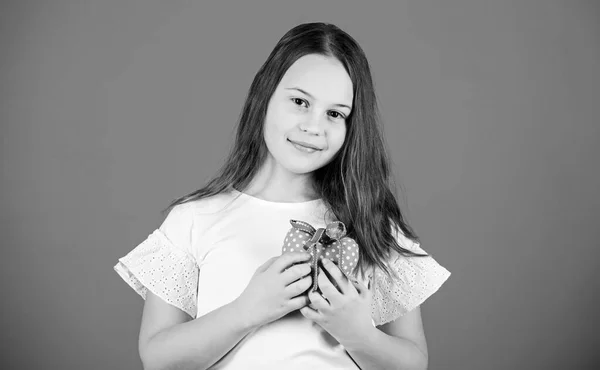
(312, 124)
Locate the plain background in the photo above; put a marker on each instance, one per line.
(111, 109)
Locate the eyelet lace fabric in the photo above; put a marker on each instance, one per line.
(168, 272)
(418, 278)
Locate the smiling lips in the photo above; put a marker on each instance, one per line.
(304, 146)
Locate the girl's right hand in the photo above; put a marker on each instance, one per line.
(275, 289)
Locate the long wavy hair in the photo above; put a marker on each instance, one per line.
(355, 184)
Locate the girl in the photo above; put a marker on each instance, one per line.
(220, 294)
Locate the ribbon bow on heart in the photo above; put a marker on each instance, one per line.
(329, 242)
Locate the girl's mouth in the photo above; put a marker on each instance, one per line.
(303, 148)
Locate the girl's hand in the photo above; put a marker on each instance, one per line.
(344, 313)
(275, 289)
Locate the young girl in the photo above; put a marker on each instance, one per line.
(220, 293)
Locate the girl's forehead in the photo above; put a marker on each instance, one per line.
(325, 78)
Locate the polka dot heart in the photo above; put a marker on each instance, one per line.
(330, 242)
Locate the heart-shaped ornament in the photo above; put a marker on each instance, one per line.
(329, 242)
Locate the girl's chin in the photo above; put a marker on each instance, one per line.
(301, 170)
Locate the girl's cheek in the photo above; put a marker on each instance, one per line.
(339, 141)
(296, 111)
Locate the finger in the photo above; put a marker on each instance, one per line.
(298, 302)
(370, 284)
(327, 289)
(310, 314)
(338, 277)
(361, 288)
(318, 302)
(288, 259)
(267, 264)
(298, 287)
(295, 272)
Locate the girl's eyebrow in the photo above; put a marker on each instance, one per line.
(312, 97)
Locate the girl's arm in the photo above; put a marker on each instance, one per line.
(169, 337)
(346, 315)
(400, 344)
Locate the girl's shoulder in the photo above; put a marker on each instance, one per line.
(186, 221)
(206, 206)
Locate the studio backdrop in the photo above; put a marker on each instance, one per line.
(111, 109)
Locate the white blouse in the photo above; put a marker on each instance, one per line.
(205, 252)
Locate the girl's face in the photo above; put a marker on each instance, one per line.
(310, 106)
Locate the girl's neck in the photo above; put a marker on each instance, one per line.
(278, 193)
(274, 183)
(285, 189)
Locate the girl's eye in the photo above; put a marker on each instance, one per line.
(335, 114)
(299, 101)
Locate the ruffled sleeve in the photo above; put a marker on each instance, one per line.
(164, 263)
(418, 279)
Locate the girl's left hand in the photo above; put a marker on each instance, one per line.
(344, 313)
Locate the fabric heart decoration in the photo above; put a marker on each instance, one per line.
(329, 242)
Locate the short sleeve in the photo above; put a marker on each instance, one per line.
(418, 278)
(164, 262)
